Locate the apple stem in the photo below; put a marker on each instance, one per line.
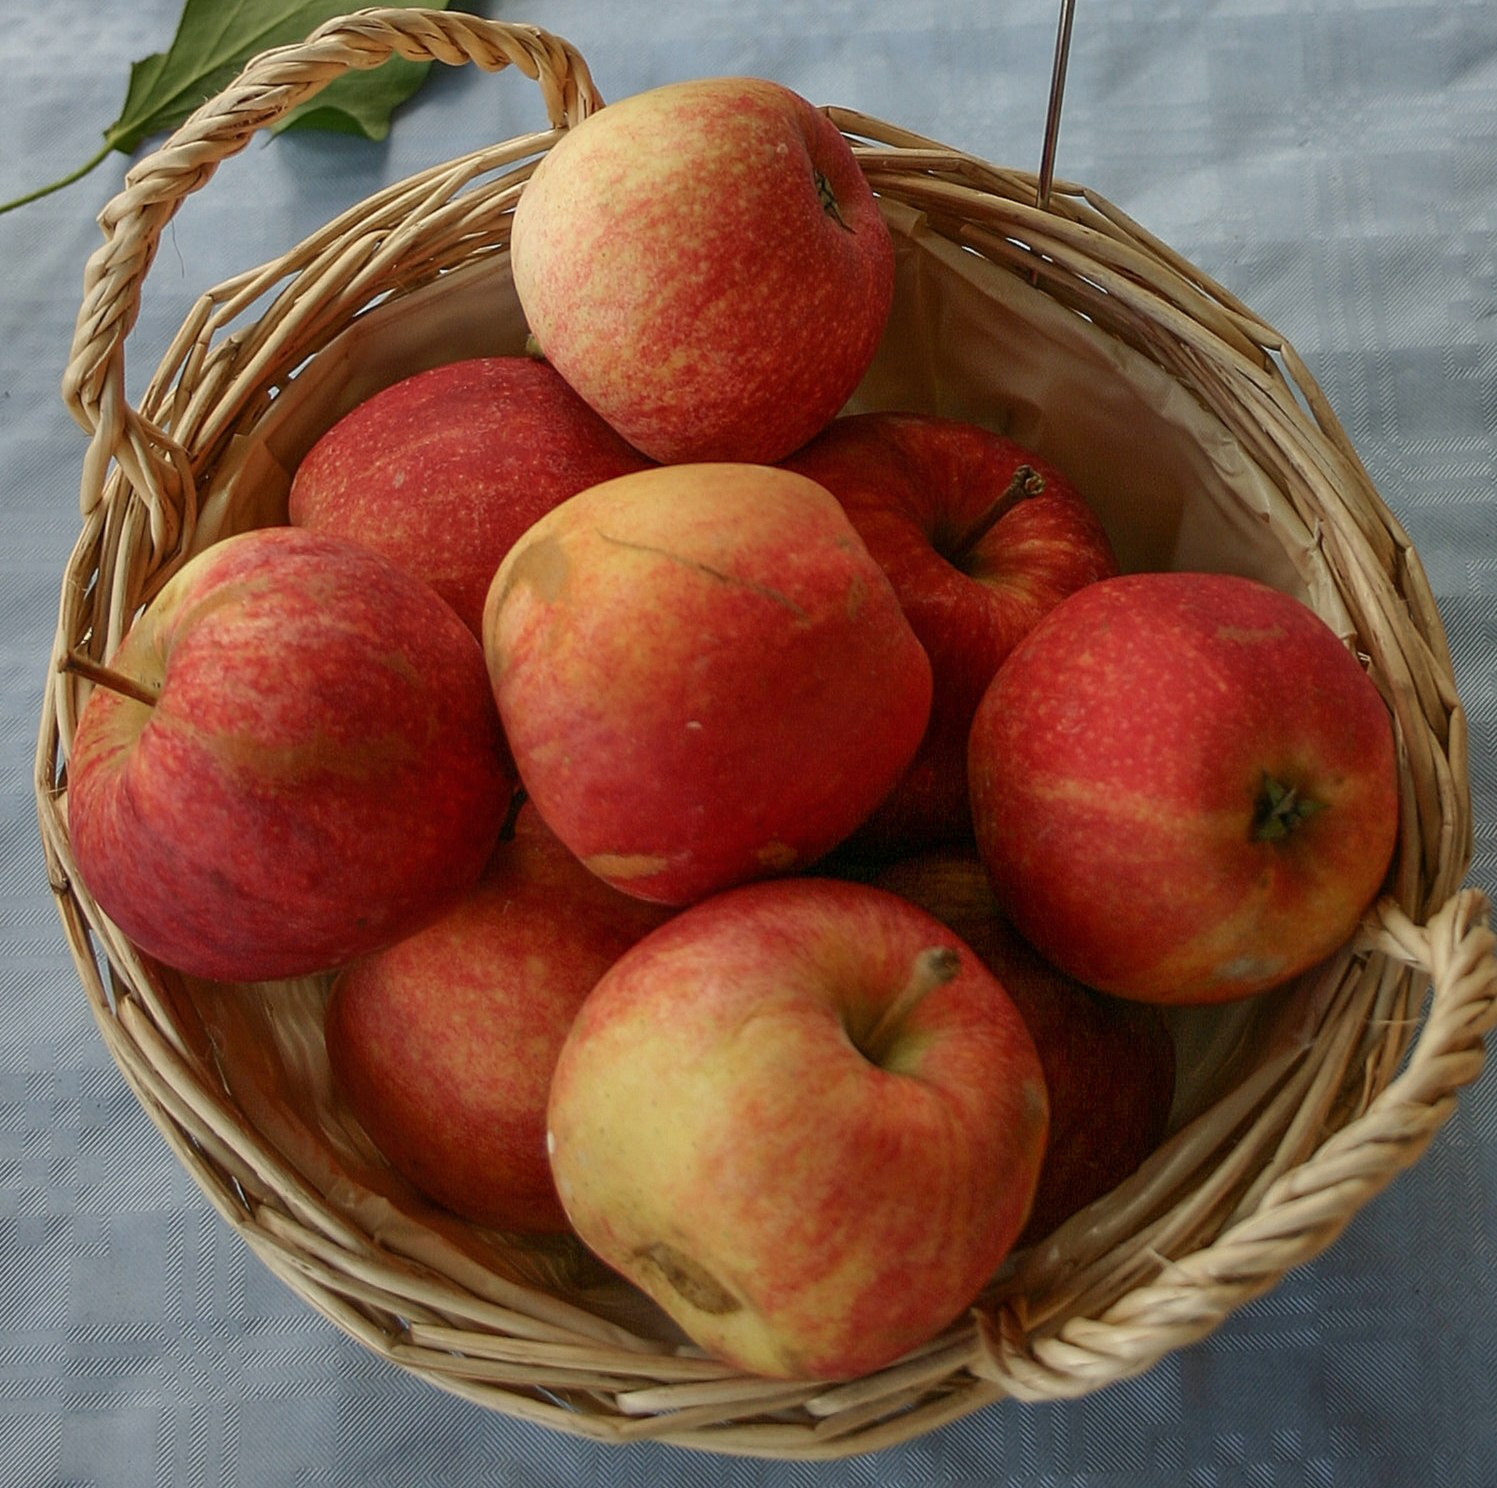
(828, 199)
(1280, 809)
(1025, 482)
(934, 967)
(511, 817)
(93, 671)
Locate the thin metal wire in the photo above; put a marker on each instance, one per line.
(1057, 94)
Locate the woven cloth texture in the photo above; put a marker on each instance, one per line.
(1334, 164)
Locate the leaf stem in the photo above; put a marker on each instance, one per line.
(57, 185)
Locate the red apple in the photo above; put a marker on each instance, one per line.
(443, 1043)
(320, 768)
(703, 675)
(442, 471)
(1184, 787)
(980, 538)
(1109, 1064)
(805, 1119)
(706, 264)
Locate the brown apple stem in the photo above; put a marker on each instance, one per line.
(934, 967)
(93, 671)
(1025, 482)
(511, 817)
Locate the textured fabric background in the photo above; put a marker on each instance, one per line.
(1334, 162)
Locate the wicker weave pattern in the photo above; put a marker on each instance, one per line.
(1260, 1180)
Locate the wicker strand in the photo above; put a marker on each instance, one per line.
(1257, 1180)
(269, 88)
(1304, 1210)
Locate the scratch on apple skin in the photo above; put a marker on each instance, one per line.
(765, 591)
(1248, 636)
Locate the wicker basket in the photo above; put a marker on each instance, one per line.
(1203, 441)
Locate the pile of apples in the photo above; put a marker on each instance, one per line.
(755, 838)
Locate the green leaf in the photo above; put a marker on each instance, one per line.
(360, 102)
(214, 39)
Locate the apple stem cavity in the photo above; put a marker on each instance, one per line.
(934, 967)
(1279, 809)
(79, 665)
(1024, 483)
(828, 199)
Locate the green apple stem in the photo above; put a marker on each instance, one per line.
(1280, 809)
(83, 666)
(828, 199)
(934, 967)
(1025, 482)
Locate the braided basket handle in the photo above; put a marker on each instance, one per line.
(269, 87)
(1301, 1213)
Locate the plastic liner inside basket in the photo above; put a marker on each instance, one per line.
(969, 340)
(965, 339)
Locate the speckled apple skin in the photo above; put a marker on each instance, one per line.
(1109, 1062)
(443, 1043)
(703, 675)
(1116, 762)
(706, 264)
(443, 470)
(719, 1136)
(913, 485)
(323, 769)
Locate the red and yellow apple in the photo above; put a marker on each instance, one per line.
(703, 675)
(320, 771)
(1109, 1063)
(803, 1117)
(443, 1043)
(705, 263)
(1184, 787)
(980, 538)
(443, 470)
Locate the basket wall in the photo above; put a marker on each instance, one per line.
(1202, 440)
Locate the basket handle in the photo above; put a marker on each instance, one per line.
(269, 87)
(1302, 1212)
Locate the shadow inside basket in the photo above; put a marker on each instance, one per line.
(1258, 1083)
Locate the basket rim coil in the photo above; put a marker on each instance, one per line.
(1261, 1182)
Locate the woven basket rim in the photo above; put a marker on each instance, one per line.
(1375, 1096)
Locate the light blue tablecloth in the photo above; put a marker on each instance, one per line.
(1334, 162)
